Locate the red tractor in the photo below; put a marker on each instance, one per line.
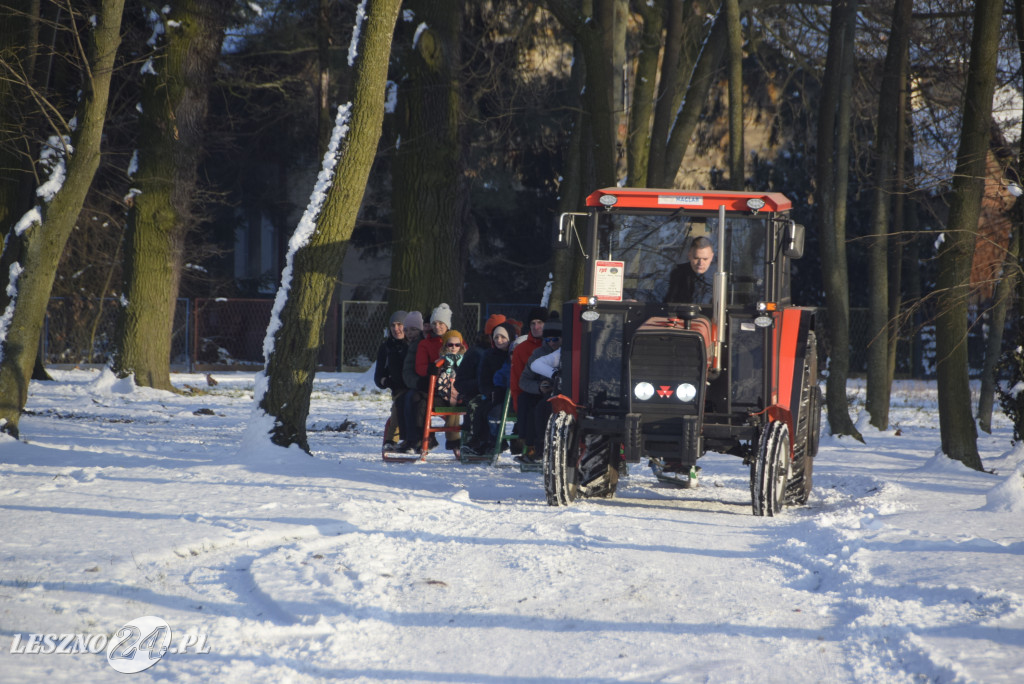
(732, 368)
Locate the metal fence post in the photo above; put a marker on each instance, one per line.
(188, 329)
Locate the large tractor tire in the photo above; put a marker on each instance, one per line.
(561, 460)
(771, 470)
(805, 443)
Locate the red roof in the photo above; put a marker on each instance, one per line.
(698, 200)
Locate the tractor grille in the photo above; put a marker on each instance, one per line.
(666, 360)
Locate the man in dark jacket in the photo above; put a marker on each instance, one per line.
(691, 282)
(387, 374)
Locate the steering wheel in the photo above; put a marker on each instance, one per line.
(688, 312)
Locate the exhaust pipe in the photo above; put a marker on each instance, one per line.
(719, 294)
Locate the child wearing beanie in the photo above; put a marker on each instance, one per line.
(492, 321)
(453, 347)
(428, 351)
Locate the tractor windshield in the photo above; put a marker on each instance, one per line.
(650, 245)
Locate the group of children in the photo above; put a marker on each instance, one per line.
(478, 377)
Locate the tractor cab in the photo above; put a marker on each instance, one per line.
(684, 340)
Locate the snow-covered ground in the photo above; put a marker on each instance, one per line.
(122, 502)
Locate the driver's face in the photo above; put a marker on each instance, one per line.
(700, 259)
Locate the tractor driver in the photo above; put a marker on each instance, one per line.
(691, 282)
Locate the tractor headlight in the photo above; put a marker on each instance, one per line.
(764, 314)
(686, 392)
(643, 391)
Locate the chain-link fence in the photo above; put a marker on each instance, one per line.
(219, 334)
(82, 331)
(229, 333)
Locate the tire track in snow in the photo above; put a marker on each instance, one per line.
(838, 548)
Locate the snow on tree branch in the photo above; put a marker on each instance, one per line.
(353, 46)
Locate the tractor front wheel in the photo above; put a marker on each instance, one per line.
(561, 460)
(770, 472)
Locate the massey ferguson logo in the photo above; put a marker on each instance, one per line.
(664, 391)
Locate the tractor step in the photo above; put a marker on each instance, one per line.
(688, 480)
(469, 456)
(530, 466)
(401, 458)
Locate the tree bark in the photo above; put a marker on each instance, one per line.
(697, 88)
(677, 59)
(638, 146)
(296, 333)
(17, 55)
(994, 345)
(737, 178)
(323, 85)
(956, 423)
(19, 44)
(568, 263)
(881, 321)
(902, 218)
(1007, 285)
(172, 123)
(429, 191)
(46, 233)
(830, 207)
(593, 35)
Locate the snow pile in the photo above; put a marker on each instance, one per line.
(1008, 495)
(109, 383)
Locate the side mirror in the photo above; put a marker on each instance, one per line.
(793, 240)
(567, 230)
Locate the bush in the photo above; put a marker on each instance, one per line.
(1010, 370)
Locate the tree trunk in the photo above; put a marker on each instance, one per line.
(595, 39)
(593, 35)
(173, 121)
(737, 177)
(318, 247)
(902, 215)
(1000, 305)
(638, 146)
(47, 231)
(323, 85)
(16, 57)
(833, 169)
(677, 58)
(1007, 285)
(568, 263)
(18, 41)
(429, 191)
(697, 88)
(881, 322)
(590, 158)
(956, 423)
(620, 69)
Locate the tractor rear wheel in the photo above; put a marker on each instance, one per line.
(561, 460)
(808, 423)
(771, 470)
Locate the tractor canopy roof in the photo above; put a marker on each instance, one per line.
(696, 200)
